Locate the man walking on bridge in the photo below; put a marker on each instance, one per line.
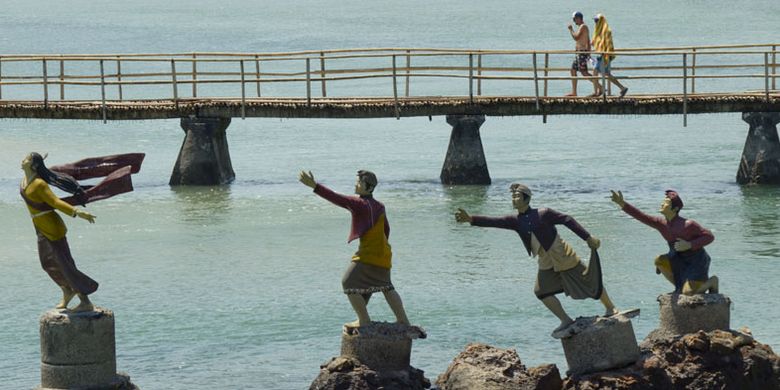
(582, 45)
(602, 43)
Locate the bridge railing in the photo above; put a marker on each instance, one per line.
(364, 75)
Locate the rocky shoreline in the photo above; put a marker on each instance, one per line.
(716, 359)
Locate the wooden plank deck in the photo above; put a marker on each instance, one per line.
(386, 107)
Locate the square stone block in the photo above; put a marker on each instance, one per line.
(380, 346)
(682, 314)
(600, 343)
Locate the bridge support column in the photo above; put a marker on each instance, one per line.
(465, 162)
(204, 158)
(760, 163)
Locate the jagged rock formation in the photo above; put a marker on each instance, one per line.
(702, 360)
(483, 367)
(345, 373)
(374, 356)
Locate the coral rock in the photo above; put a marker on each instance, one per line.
(481, 366)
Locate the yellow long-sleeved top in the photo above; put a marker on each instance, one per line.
(50, 224)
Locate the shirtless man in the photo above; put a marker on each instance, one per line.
(582, 38)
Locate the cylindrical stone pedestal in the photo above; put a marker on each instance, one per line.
(600, 343)
(78, 350)
(380, 346)
(682, 314)
(204, 158)
(760, 163)
(465, 162)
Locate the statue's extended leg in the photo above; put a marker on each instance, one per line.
(84, 305)
(359, 305)
(663, 265)
(554, 305)
(394, 300)
(67, 295)
(604, 298)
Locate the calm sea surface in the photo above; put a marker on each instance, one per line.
(238, 287)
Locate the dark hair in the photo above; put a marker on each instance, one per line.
(677, 203)
(58, 179)
(368, 178)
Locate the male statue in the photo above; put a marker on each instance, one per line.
(560, 269)
(687, 264)
(369, 271)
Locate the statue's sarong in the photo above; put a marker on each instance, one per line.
(365, 279)
(578, 282)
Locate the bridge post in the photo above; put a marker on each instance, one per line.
(465, 162)
(760, 163)
(204, 158)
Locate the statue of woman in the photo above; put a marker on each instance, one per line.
(53, 248)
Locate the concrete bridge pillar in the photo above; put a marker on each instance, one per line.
(204, 158)
(760, 162)
(465, 162)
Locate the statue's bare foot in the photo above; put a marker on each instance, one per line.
(353, 324)
(713, 285)
(67, 295)
(83, 306)
(560, 331)
(611, 312)
(407, 323)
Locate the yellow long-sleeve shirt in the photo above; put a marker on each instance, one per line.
(50, 224)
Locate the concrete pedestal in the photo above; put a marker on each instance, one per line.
(599, 343)
(465, 162)
(78, 351)
(760, 163)
(204, 158)
(380, 346)
(682, 314)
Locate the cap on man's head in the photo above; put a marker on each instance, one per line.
(577, 14)
(521, 188)
(677, 203)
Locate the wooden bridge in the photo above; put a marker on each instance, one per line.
(206, 90)
(384, 82)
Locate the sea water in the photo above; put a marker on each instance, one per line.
(238, 287)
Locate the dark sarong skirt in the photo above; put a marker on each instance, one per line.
(689, 265)
(365, 279)
(57, 261)
(578, 282)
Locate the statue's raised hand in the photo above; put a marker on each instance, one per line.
(307, 178)
(593, 242)
(462, 216)
(617, 197)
